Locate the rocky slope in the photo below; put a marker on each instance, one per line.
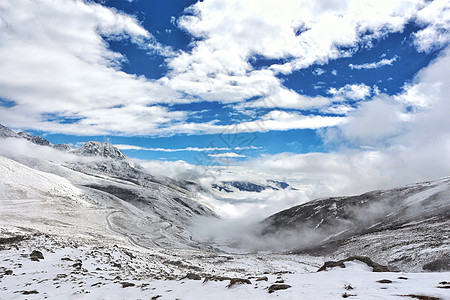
(406, 227)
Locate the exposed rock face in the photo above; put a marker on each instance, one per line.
(35, 139)
(63, 147)
(101, 149)
(438, 265)
(5, 132)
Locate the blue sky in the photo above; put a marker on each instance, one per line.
(217, 82)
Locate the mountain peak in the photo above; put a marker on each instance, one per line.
(5, 132)
(104, 149)
(35, 139)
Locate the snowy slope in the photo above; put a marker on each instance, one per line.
(122, 200)
(405, 227)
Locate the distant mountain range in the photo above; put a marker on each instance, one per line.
(247, 186)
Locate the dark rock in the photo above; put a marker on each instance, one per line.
(193, 276)
(234, 281)
(156, 297)
(36, 255)
(376, 267)
(216, 278)
(29, 292)
(279, 281)
(8, 272)
(421, 297)
(384, 281)
(78, 264)
(277, 287)
(127, 284)
(263, 278)
(66, 259)
(345, 295)
(441, 264)
(403, 278)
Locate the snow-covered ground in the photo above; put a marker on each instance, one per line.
(79, 270)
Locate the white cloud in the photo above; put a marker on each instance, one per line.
(382, 144)
(226, 155)
(194, 149)
(436, 19)
(55, 64)
(351, 91)
(231, 33)
(288, 98)
(374, 65)
(319, 71)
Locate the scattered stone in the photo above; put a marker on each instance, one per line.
(215, 278)
(376, 267)
(66, 259)
(384, 281)
(77, 265)
(59, 276)
(263, 278)
(127, 284)
(116, 265)
(277, 287)
(279, 281)
(348, 287)
(444, 285)
(234, 281)
(345, 295)
(36, 255)
(421, 297)
(29, 292)
(193, 276)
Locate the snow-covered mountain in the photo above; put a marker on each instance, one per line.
(405, 228)
(100, 149)
(247, 186)
(5, 132)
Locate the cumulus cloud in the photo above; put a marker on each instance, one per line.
(230, 34)
(386, 142)
(61, 75)
(56, 66)
(351, 91)
(435, 17)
